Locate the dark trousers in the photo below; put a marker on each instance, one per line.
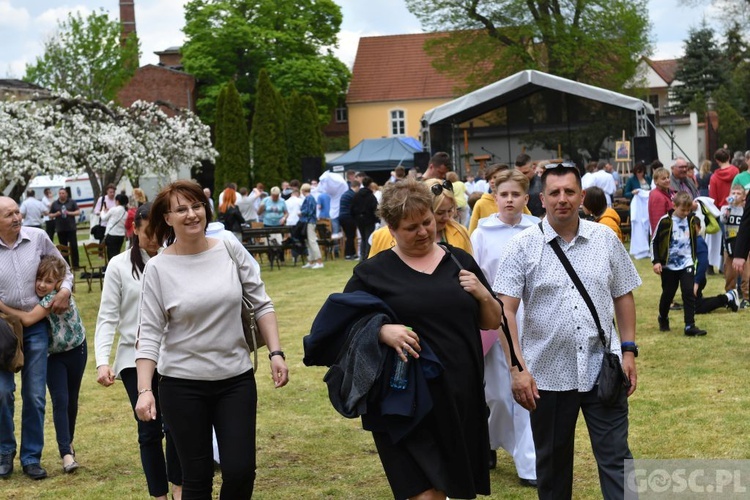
(350, 231)
(64, 376)
(683, 279)
(365, 231)
(150, 434)
(70, 238)
(49, 226)
(191, 408)
(704, 305)
(553, 424)
(113, 244)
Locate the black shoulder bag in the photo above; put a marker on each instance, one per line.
(612, 380)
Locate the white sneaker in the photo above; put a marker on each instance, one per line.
(319, 265)
(307, 266)
(733, 300)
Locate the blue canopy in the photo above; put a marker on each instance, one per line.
(379, 154)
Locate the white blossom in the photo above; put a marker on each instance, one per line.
(65, 135)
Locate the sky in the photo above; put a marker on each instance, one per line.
(26, 24)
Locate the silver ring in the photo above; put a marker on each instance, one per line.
(406, 345)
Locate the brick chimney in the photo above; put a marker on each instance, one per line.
(127, 18)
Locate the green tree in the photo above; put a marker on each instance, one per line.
(235, 39)
(583, 40)
(232, 140)
(218, 132)
(732, 125)
(269, 134)
(294, 134)
(702, 70)
(86, 58)
(304, 135)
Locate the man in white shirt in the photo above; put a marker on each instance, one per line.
(33, 210)
(601, 179)
(562, 354)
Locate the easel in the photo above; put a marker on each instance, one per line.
(623, 165)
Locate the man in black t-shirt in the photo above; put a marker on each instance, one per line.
(64, 211)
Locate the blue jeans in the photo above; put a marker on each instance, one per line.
(335, 228)
(33, 393)
(64, 376)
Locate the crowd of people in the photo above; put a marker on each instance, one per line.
(505, 354)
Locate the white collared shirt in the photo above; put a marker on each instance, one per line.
(560, 341)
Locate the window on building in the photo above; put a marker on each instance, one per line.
(653, 100)
(342, 115)
(398, 122)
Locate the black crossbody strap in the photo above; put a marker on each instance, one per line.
(577, 282)
(503, 325)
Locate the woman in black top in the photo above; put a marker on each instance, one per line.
(442, 298)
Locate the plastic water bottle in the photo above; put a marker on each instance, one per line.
(400, 377)
(64, 212)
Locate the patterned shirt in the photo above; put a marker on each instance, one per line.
(680, 253)
(66, 330)
(18, 264)
(560, 341)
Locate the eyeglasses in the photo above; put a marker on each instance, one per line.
(183, 210)
(437, 189)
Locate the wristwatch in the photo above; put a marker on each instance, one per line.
(630, 347)
(276, 353)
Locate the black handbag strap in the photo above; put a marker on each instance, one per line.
(577, 282)
(503, 324)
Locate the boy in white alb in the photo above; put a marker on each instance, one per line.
(509, 423)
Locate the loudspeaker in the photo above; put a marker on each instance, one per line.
(747, 139)
(645, 149)
(422, 160)
(311, 168)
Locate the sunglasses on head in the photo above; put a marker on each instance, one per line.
(437, 189)
(565, 164)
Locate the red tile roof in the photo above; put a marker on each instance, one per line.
(665, 68)
(396, 67)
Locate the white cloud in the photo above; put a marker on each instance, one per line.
(159, 25)
(13, 17)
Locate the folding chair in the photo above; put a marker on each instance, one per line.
(96, 256)
(325, 237)
(84, 275)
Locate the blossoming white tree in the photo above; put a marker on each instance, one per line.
(66, 135)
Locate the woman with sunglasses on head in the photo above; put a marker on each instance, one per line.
(118, 312)
(443, 207)
(445, 450)
(191, 331)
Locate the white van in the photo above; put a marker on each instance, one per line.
(80, 190)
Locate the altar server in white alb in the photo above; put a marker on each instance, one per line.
(509, 424)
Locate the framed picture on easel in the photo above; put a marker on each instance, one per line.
(622, 150)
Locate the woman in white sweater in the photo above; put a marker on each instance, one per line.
(191, 332)
(115, 217)
(118, 312)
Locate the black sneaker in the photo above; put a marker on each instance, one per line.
(675, 306)
(6, 465)
(733, 302)
(694, 331)
(663, 324)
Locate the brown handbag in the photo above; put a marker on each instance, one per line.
(12, 352)
(250, 328)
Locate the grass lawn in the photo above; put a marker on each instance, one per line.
(692, 402)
